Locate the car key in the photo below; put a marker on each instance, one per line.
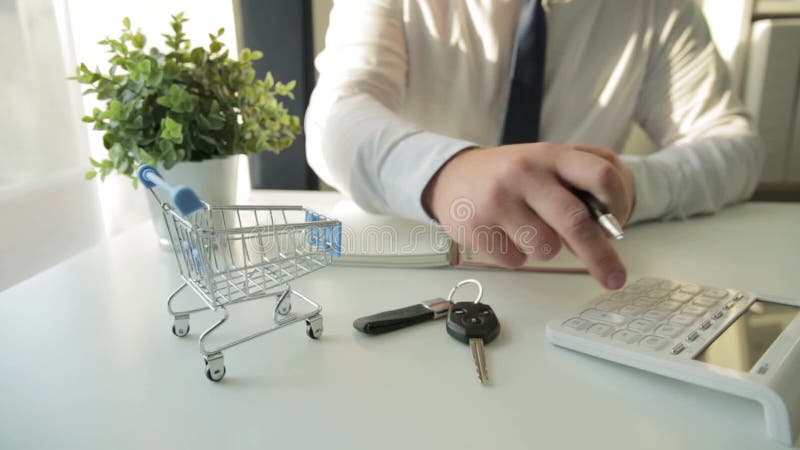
(386, 321)
(476, 324)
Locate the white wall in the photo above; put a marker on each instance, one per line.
(320, 10)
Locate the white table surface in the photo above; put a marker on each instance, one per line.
(89, 361)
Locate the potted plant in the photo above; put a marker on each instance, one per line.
(187, 110)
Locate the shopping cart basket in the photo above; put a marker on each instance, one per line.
(234, 254)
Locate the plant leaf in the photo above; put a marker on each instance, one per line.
(171, 131)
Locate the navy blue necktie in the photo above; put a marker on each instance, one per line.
(527, 82)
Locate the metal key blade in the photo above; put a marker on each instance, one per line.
(478, 354)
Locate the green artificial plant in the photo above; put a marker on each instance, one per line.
(185, 104)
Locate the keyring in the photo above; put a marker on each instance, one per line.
(463, 282)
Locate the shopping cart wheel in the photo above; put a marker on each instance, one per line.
(180, 332)
(213, 377)
(314, 327)
(215, 367)
(181, 326)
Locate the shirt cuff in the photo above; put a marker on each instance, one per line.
(409, 167)
(652, 184)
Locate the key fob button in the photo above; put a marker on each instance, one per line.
(476, 321)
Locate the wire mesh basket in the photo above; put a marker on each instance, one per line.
(234, 254)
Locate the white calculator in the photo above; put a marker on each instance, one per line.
(733, 341)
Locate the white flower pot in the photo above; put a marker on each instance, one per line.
(213, 180)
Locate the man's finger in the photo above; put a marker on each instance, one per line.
(494, 242)
(605, 153)
(531, 235)
(571, 219)
(597, 175)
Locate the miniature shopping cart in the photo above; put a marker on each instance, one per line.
(234, 254)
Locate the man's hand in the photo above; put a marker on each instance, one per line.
(514, 202)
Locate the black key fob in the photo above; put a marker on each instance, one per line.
(396, 319)
(470, 320)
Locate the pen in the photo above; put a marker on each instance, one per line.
(600, 213)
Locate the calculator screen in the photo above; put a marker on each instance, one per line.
(746, 339)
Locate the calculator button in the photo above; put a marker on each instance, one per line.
(621, 296)
(681, 297)
(692, 336)
(717, 315)
(705, 325)
(656, 315)
(653, 342)
(646, 301)
(738, 297)
(633, 310)
(729, 305)
(668, 330)
(604, 297)
(702, 300)
(658, 293)
(600, 329)
(576, 324)
(647, 281)
(608, 306)
(716, 293)
(641, 325)
(668, 285)
(626, 336)
(669, 305)
(678, 348)
(693, 310)
(690, 288)
(683, 319)
(636, 288)
(603, 316)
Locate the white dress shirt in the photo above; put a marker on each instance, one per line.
(406, 84)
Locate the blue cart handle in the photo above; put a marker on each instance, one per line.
(181, 197)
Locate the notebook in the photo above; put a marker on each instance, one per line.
(372, 240)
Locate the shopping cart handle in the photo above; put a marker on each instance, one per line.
(181, 197)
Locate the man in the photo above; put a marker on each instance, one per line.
(414, 97)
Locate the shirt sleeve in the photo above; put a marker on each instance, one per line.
(709, 154)
(355, 139)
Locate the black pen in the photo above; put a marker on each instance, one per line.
(600, 213)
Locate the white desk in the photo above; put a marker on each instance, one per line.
(89, 361)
